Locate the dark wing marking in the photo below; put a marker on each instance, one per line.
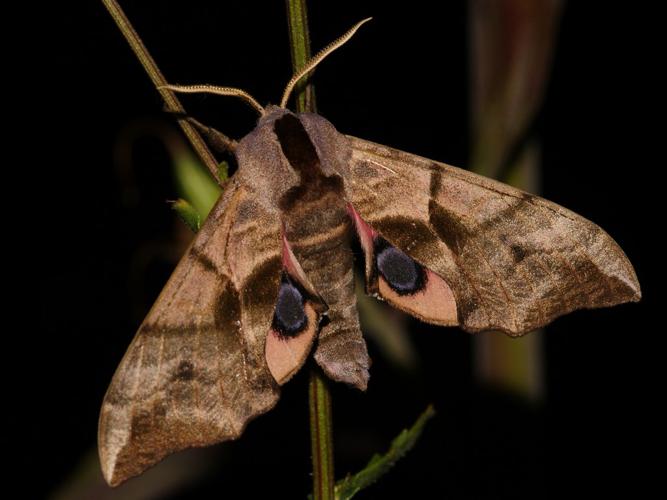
(513, 260)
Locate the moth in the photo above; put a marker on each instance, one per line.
(269, 277)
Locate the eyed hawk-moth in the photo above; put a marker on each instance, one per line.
(269, 279)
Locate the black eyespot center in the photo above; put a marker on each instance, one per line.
(400, 271)
(289, 318)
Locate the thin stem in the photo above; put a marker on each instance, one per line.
(297, 20)
(170, 99)
(321, 440)
(319, 397)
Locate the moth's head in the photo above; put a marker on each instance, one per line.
(262, 165)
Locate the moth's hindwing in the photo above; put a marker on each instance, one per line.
(296, 319)
(406, 284)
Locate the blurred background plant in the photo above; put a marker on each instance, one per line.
(511, 49)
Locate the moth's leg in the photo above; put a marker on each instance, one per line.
(218, 141)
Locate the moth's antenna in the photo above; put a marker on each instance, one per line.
(310, 65)
(212, 89)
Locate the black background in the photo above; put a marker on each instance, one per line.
(402, 81)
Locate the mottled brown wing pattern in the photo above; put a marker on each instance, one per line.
(195, 373)
(513, 260)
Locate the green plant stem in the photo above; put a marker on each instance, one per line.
(321, 441)
(170, 99)
(297, 21)
(319, 397)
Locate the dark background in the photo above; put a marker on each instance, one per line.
(402, 81)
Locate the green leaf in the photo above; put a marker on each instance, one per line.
(188, 213)
(380, 464)
(195, 183)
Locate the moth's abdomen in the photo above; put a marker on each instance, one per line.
(320, 238)
(319, 232)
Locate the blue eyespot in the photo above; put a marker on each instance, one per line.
(289, 318)
(401, 272)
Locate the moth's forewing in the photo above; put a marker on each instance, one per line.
(513, 261)
(196, 373)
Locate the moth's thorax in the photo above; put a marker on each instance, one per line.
(313, 212)
(287, 152)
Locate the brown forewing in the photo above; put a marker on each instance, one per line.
(513, 260)
(195, 373)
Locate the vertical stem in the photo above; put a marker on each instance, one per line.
(505, 101)
(297, 21)
(321, 441)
